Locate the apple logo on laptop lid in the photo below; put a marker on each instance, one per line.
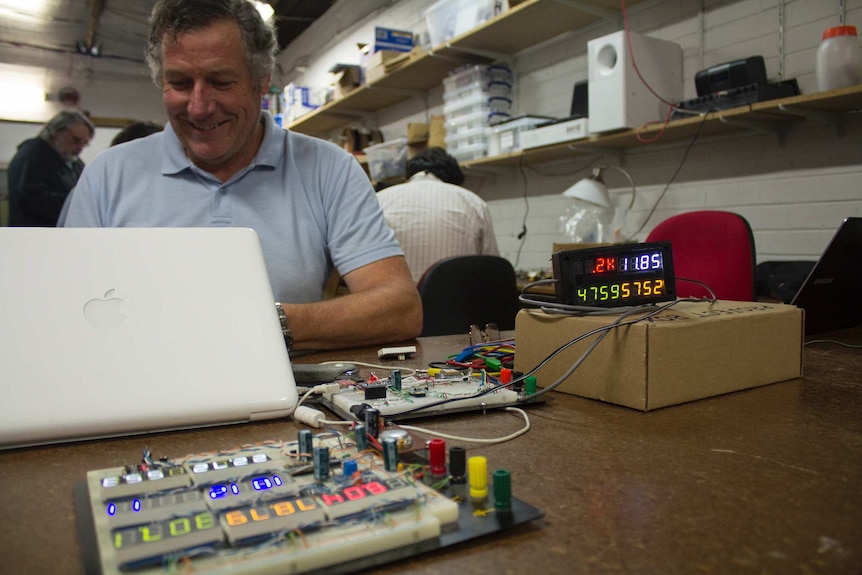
(105, 312)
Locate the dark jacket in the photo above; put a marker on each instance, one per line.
(39, 181)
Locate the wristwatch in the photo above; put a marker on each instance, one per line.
(285, 328)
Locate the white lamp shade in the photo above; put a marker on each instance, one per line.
(592, 191)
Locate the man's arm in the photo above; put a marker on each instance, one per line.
(383, 307)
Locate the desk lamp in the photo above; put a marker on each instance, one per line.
(593, 218)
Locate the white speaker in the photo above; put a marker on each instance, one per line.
(618, 99)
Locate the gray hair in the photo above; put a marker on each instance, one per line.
(63, 121)
(179, 16)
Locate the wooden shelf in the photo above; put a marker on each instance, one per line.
(522, 26)
(764, 116)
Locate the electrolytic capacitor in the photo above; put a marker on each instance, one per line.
(390, 454)
(305, 444)
(372, 422)
(360, 437)
(321, 463)
(395, 377)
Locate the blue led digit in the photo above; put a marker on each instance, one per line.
(234, 488)
(112, 509)
(277, 480)
(656, 261)
(136, 505)
(217, 491)
(261, 483)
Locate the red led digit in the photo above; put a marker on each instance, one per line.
(375, 488)
(332, 498)
(604, 265)
(354, 492)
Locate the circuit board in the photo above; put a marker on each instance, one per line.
(329, 503)
(422, 395)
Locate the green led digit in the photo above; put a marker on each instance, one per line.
(180, 526)
(582, 293)
(604, 293)
(204, 520)
(148, 536)
(615, 291)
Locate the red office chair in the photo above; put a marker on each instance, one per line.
(714, 247)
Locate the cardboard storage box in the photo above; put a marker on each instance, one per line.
(690, 351)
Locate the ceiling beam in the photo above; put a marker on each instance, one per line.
(96, 9)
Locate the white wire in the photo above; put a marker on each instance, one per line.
(328, 422)
(410, 371)
(518, 433)
(303, 398)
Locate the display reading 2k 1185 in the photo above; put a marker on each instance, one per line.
(617, 275)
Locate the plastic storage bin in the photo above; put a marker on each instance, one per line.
(477, 74)
(387, 160)
(449, 18)
(469, 145)
(505, 137)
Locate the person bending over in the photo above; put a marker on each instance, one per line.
(433, 216)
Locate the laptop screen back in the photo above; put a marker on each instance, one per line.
(129, 330)
(832, 293)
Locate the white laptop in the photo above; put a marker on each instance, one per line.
(118, 331)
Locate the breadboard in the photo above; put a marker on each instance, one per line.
(422, 396)
(268, 508)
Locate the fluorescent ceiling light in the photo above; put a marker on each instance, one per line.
(265, 10)
(34, 10)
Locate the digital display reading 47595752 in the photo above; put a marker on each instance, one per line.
(611, 276)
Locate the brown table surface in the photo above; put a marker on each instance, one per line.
(767, 480)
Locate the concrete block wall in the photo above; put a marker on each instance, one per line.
(793, 190)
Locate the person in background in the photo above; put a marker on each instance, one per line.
(131, 132)
(433, 216)
(46, 168)
(136, 130)
(221, 161)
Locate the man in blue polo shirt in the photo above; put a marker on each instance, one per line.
(222, 162)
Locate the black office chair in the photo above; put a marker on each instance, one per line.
(463, 290)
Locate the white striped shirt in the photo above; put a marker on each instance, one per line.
(433, 220)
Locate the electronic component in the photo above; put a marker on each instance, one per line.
(314, 373)
(442, 393)
(613, 276)
(735, 97)
(357, 510)
(400, 353)
(730, 75)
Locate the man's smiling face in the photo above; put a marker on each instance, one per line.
(211, 99)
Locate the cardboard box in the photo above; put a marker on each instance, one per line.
(437, 132)
(417, 132)
(417, 138)
(690, 351)
(346, 78)
(389, 39)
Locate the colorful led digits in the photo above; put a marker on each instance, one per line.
(611, 276)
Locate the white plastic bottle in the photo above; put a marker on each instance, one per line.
(839, 59)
